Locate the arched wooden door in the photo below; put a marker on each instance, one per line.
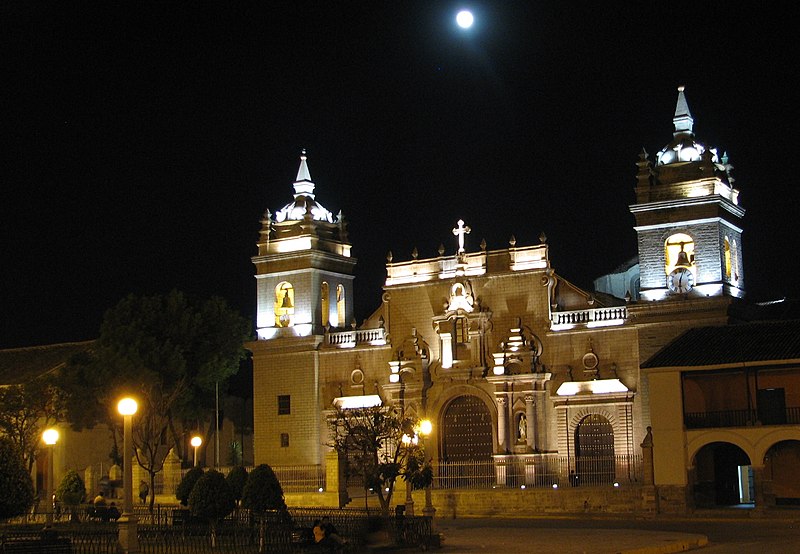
(467, 443)
(594, 451)
(467, 430)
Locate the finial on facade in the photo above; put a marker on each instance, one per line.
(381, 322)
(680, 88)
(542, 238)
(643, 155)
(483, 245)
(441, 249)
(303, 153)
(389, 256)
(353, 324)
(512, 241)
(415, 253)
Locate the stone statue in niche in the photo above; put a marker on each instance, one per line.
(522, 428)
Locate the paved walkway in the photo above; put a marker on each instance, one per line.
(483, 537)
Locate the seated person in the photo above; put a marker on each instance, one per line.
(331, 534)
(112, 514)
(319, 532)
(99, 500)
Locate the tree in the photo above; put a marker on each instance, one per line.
(71, 492)
(237, 479)
(186, 485)
(381, 443)
(25, 411)
(169, 352)
(211, 499)
(263, 491)
(16, 487)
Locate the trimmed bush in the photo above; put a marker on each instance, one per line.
(237, 479)
(211, 499)
(71, 493)
(263, 491)
(16, 487)
(187, 484)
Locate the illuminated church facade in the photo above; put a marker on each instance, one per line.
(531, 383)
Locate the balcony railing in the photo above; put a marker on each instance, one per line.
(740, 418)
(595, 317)
(349, 339)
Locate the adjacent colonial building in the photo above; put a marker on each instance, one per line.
(530, 382)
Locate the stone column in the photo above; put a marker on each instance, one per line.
(502, 424)
(530, 420)
(540, 430)
(762, 489)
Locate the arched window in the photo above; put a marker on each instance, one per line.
(340, 307)
(678, 251)
(325, 295)
(727, 247)
(284, 304)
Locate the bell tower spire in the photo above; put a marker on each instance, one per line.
(683, 120)
(304, 271)
(688, 219)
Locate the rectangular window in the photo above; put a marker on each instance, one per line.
(284, 404)
(284, 440)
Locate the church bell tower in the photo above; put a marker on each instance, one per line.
(304, 271)
(688, 219)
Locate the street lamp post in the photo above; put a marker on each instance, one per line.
(425, 429)
(409, 511)
(128, 539)
(50, 438)
(196, 442)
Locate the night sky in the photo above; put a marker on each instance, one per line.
(143, 144)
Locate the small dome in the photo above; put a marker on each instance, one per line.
(683, 148)
(296, 211)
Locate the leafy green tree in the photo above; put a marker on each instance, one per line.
(263, 491)
(167, 351)
(373, 439)
(16, 487)
(186, 485)
(25, 411)
(71, 492)
(211, 499)
(237, 479)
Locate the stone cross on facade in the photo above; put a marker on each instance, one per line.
(460, 231)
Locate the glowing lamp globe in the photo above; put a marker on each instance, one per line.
(196, 441)
(50, 436)
(127, 406)
(425, 427)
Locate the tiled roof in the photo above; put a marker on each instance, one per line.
(748, 342)
(18, 365)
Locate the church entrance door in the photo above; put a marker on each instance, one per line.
(466, 441)
(594, 451)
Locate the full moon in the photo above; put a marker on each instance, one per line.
(464, 19)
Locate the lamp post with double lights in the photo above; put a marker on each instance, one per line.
(50, 438)
(128, 540)
(196, 442)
